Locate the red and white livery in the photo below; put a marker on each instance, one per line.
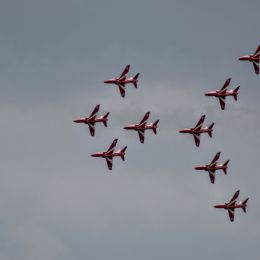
(255, 58)
(111, 153)
(223, 93)
(142, 126)
(213, 167)
(198, 130)
(122, 80)
(232, 205)
(93, 119)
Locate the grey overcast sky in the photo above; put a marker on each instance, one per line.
(56, 201)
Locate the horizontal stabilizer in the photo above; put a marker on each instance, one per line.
(236, 92)
(244, 203)
(155, 126)
(257, 52)
(123, 153)
(211, 129)
(256, 67)
(136, 79)
(105, 117)
(225, 165)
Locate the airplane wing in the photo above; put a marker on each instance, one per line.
(214, 161)
(141, 135)
(231, 213)
(125, 71)
(200, 122)
(122, 90)
(109, 161)
(212, 176)
(94, 112)
(222, 102)
(197, 139)
(256, 67)
(235, 196)
(91, 127)
(146, 116)
(257, 50)
(225, 86)
(112, 146)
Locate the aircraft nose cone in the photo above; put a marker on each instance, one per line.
(243, 57)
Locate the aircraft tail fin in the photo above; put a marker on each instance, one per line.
(244, 205)
(105, 117)
(135, 79)
(211, 129)
(236, 93)
(257, 54)
(122, 151)
(258, 57)
(225, 164)
(256, 67)
(155, 126)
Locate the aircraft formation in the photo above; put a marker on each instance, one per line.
(123, 80)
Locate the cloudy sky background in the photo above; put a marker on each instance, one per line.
(56, 201)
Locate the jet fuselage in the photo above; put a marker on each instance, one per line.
(105, 154)
(226, 206)
(143, 127)
(210, 168)
(117, 81)
(249, 58)
(193, 131)
(89, 120)
(219, 94)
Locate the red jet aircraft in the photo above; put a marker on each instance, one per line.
(122, 80)
(223, 93)
(92, 119)
(142, 126)
(255, 58)
(232, 205)
(213, 166)
(110, 153)
(197, 130)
